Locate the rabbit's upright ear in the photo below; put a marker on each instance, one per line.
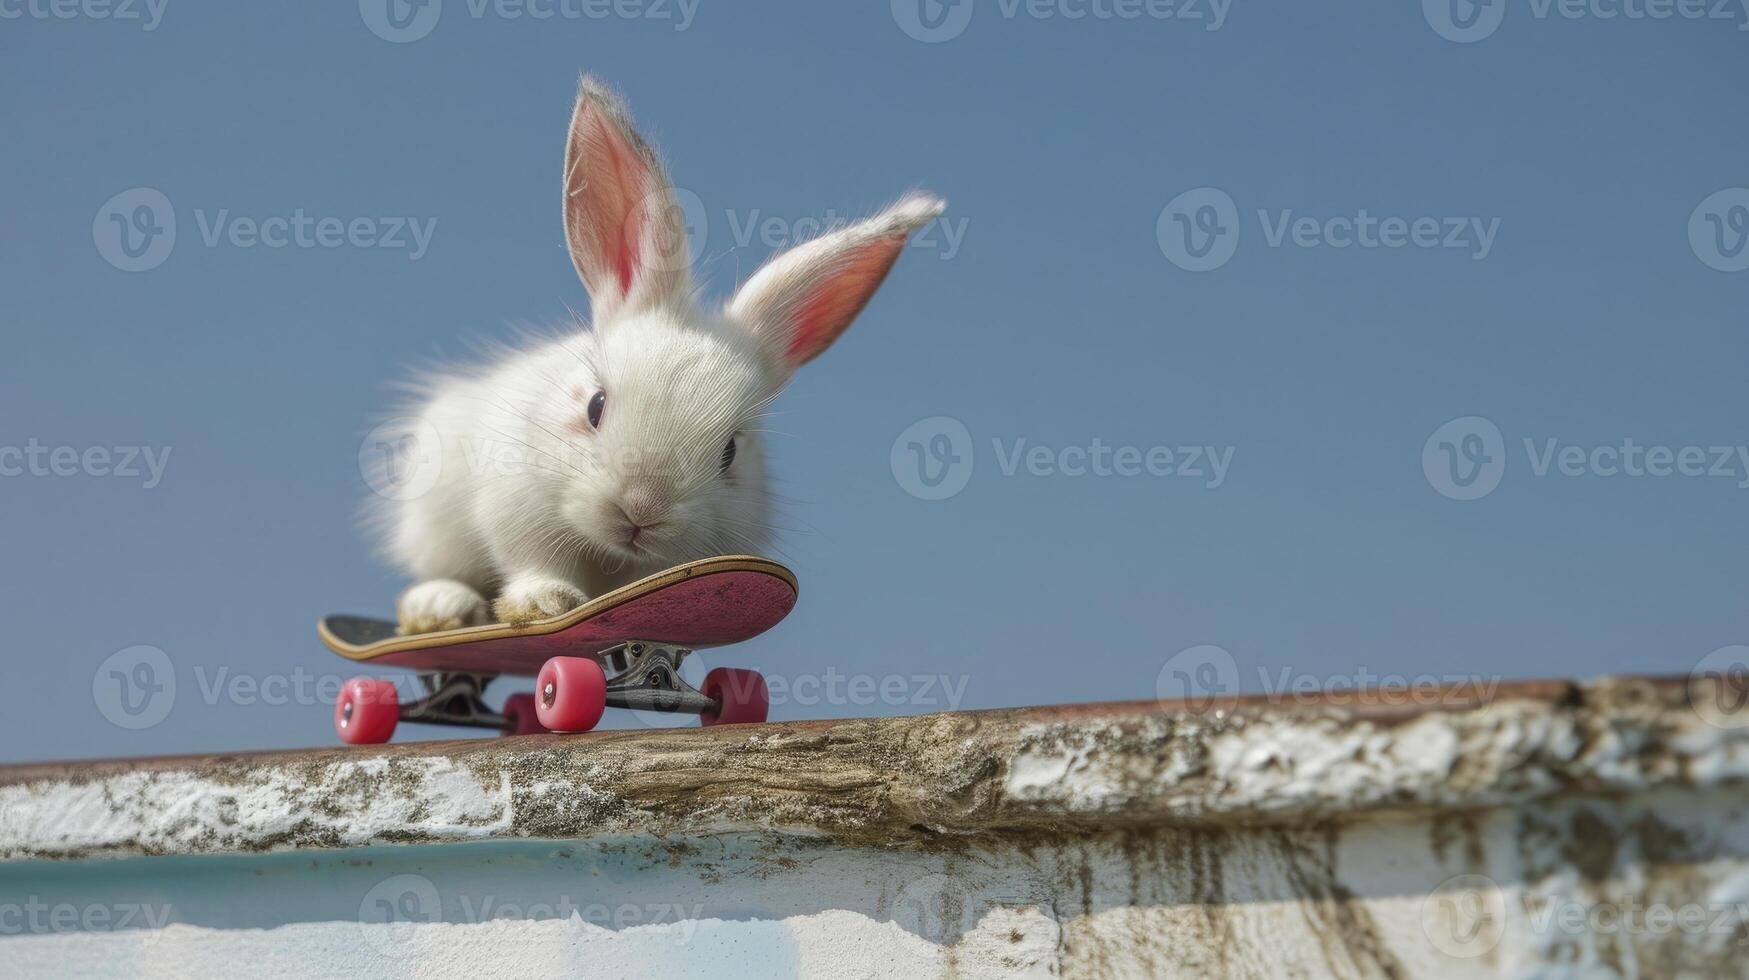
(626, 231)
(800, 301)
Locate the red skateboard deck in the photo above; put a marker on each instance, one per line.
(708, 603)
(620, 650)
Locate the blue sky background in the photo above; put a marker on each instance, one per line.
(1059, 318)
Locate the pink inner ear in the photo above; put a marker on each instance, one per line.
(610, 183)
(628, 174)
(827, 310)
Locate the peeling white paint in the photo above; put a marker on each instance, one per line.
(1253, 843)
(186, 811)
(1370, 898)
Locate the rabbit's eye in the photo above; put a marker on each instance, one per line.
(728, 454)
(596, 405)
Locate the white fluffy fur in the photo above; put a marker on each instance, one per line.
(534, 507)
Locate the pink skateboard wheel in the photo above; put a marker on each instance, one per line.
(740, 695)
(367, 711)
(570, 694)
(520, 709)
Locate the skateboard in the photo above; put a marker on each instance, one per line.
(622, 649)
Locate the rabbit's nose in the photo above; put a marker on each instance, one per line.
(634, 528)
(643, 507)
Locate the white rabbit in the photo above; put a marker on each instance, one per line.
(570, 469)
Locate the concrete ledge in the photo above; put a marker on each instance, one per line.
(925, 781)
(1552, 829)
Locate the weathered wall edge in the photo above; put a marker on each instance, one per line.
(925, 781)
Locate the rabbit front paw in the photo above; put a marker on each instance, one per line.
(440, 604)
(531, 597)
